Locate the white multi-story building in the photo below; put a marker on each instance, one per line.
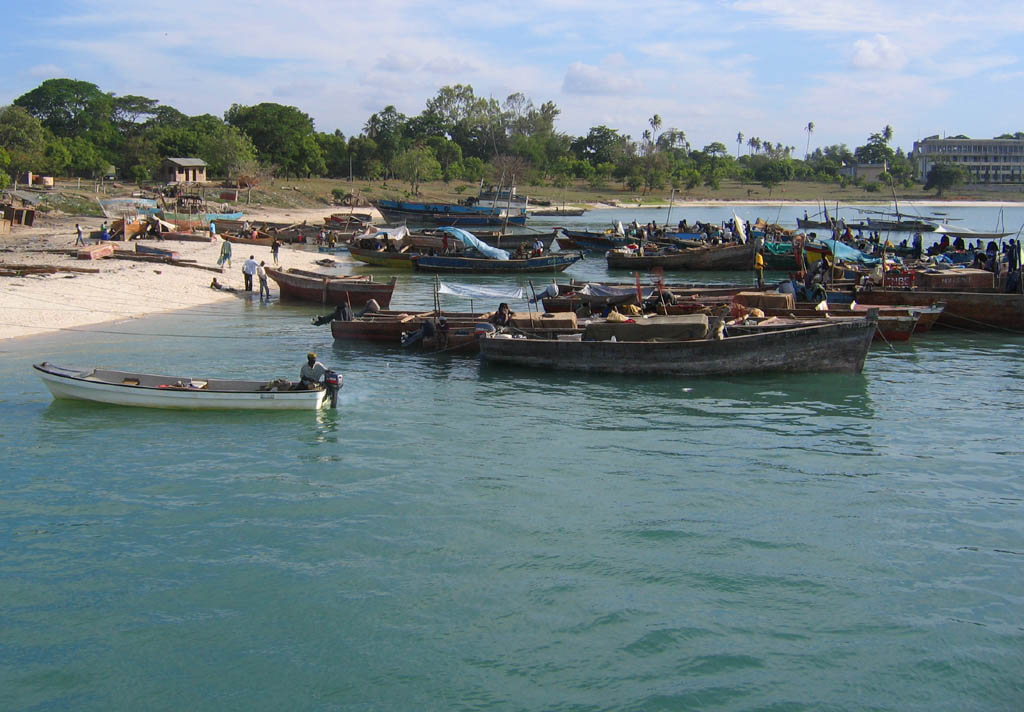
(987, 160)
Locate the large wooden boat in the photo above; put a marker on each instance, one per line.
(837, 345)
(449, 214)
(453, 264)
(262, 241)
(154, 391)
(331, 289)
(589, 240)
(979, 310)
(712, 258)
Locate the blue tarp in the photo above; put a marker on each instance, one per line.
(470, 240)
(848, 254)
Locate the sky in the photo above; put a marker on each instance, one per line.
(710, 68)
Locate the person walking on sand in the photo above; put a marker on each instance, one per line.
(275, 250)
(248, 270)
(225, 255)
(80, 239)
(261, 272)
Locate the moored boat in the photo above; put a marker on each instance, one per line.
(826, 346)
(455, 264)
(712, 257)
(331, 289)
(449, 214)
(156, 391)
(979, 310)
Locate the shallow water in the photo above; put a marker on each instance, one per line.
(459, 536)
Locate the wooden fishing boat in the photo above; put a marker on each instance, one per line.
(387, 326)
(154, 391)
(331, 289)
(159, 251)
(979, 310)
(826, 346)
(589, 240)
(455, 264)
(383, 258)
(712, 258)
(261, 241)
(450, 214)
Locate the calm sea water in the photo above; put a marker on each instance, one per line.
(459, 536)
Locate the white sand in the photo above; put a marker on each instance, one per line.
(122, 289)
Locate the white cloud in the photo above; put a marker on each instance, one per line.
(612, 78)
(877, 53)
(46, 71)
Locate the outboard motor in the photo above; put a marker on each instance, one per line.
(333, 382)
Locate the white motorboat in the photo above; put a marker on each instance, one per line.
(154, 391)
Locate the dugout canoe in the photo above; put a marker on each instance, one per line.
(331, 289)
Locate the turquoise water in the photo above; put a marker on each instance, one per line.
(459, 536)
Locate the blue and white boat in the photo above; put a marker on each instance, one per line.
(449, 214)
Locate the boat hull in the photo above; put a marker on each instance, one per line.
(380, 258)
(714, 258)
(72, 388)
(474, 265)
(448, 214)
(308, 287)
(833, 347)
(980, 311)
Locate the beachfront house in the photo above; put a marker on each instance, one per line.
(183, 170)
(867, 172)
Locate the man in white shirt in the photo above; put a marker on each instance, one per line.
(248, 270)
(262, 274)
(311, 375)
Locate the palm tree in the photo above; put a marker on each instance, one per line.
(757, 144)
(739, 143)
(809, 128)
(655, 123)
(750, 145)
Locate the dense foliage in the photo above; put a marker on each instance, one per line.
(70, 127)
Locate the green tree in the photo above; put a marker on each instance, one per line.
(86, 159)
(877, 149)
(473, 169)
(69, 107)
(23, 138)
(809, 128)
(5, 162)
(335, 151)
(943, 176)
(283, 137)
(386, 128)
(417, 165)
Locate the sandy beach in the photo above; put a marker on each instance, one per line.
(122, 289)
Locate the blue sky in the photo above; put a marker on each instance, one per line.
(711, 68)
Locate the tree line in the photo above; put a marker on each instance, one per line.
(67, 127)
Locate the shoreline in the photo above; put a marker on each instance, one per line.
(121, 290)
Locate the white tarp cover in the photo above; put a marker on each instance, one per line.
(600, 290)
(470, 240)
(476, 291)
(390, 233)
